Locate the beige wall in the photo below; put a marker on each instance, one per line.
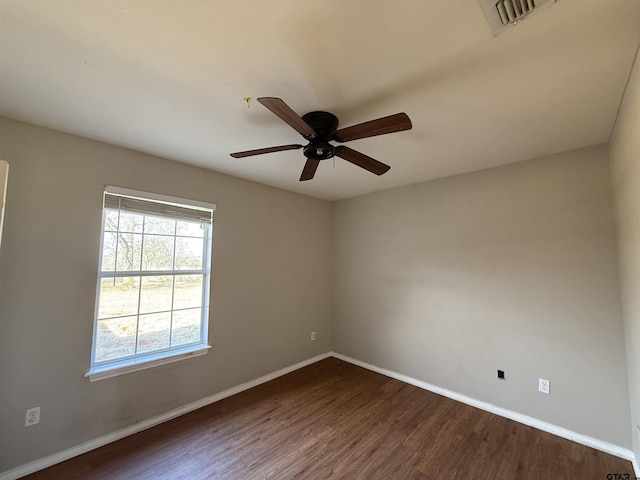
(625, 165)
(511, 268)
(271, 288)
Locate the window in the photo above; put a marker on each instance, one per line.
(153, 282)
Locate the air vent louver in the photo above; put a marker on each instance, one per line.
(512, 10)
(503, 14)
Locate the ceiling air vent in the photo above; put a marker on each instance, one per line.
(513, 10)
(503, 14)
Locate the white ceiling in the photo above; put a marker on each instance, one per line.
(169, 77)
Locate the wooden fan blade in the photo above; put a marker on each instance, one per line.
(309, 169)
(260, 151)
(361, 160)
(380, 126)
(282, 110)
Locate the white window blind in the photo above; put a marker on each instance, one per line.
(161, 209)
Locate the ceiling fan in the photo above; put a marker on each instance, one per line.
(319, 128)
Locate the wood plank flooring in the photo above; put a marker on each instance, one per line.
(333, 420)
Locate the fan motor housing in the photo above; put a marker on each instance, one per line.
(325, 125)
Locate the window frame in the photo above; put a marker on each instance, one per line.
(140, 361)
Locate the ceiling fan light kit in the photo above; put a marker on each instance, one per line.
(320, 128)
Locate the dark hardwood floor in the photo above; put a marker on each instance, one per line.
(335, 420)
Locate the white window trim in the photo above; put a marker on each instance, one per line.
(100, 372)
(135, 365)
(4, 178)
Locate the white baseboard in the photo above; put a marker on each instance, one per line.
(151, 422)
(503, 412)
(636, 468)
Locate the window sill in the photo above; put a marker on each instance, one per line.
(113, 370)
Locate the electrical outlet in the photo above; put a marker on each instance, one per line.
(313, 336)
(32, 417)
(543, 385)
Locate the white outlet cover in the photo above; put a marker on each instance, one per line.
(543, 385)
(32, 417)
